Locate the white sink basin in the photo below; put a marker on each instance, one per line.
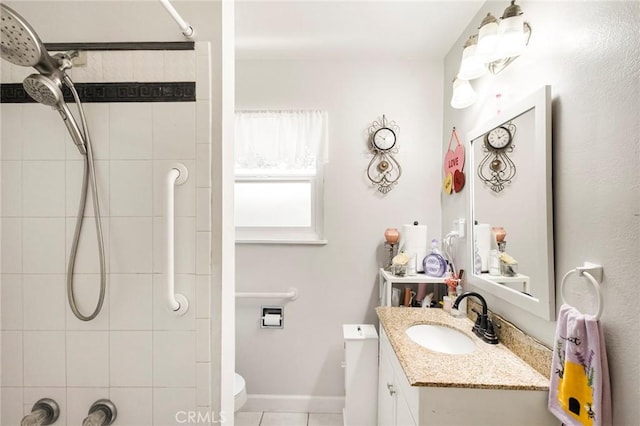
(439, 338)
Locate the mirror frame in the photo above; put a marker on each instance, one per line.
(542, 304)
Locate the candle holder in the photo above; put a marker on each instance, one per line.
(508, 269)
(390, 248)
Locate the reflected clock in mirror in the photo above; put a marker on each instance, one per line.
(519, 202)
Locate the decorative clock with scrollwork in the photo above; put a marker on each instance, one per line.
(497, 169)
(383, 170)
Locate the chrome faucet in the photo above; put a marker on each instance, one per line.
(44, 412)
(102, 413)
(483, 327)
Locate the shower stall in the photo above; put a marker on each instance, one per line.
(93, 123)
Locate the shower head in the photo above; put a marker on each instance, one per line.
(43, 90)
(47, 91)
(19, 43)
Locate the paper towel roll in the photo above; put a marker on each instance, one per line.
(483, 242)
(413, 239)
(272, 319)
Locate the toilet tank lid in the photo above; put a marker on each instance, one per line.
(359, 331)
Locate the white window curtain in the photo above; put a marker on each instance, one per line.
(280, 142)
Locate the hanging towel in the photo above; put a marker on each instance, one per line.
(579, 392)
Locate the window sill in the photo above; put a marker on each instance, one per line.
(287, 242)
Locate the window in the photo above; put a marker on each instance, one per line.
(278, 176)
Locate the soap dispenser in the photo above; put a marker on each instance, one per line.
(435, 265)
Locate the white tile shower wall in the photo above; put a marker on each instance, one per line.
(12, 404)
(118, 66)
(149, 362)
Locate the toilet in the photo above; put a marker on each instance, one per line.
(239, 392)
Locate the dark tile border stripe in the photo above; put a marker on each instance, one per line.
(112, 92)
(143, 45)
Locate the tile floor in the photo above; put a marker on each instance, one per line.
(247, 418)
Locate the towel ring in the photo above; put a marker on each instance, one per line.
(580, 271)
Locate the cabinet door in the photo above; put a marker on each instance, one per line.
(386, 392)
(403, 414)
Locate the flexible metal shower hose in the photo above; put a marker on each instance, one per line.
(89, 174)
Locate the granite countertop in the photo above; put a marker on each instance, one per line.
(487, 367)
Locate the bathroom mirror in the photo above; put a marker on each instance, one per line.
(510, 187)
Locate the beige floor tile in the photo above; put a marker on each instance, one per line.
(284, 419)
(247, 418)
(325, 419)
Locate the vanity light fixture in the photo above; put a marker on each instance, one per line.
(471, 67)
(497, 44)
(463, 94)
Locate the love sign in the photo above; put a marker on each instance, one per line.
(453, 166)
(458, 180)
(447, 184)
(454, 160)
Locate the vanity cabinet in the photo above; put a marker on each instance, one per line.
(400, 404)
(393, 408)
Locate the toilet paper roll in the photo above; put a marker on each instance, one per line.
(413, 240)
(272, 319)
(483, 242)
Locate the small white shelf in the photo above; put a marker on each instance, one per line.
(387, 280)
(519, 282)
(411, 279)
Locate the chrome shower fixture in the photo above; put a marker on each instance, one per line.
(44, 412)
(103, 412)
(42, 89)
(21, 46)
(45, 90)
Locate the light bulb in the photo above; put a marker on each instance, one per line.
(487, 39)
(463, 94)
(470, 67)
(512, 37)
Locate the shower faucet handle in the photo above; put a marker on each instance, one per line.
(102, 413)
(44, 412)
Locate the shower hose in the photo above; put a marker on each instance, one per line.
(89, 175)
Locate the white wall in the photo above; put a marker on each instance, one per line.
(588, 52)
(337, 282)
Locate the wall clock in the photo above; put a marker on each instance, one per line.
(384, 139)
(499, 138)
(383, 170)
(497, 169)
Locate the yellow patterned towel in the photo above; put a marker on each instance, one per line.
(579, 392)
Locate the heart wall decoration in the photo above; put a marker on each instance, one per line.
(454, 166)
